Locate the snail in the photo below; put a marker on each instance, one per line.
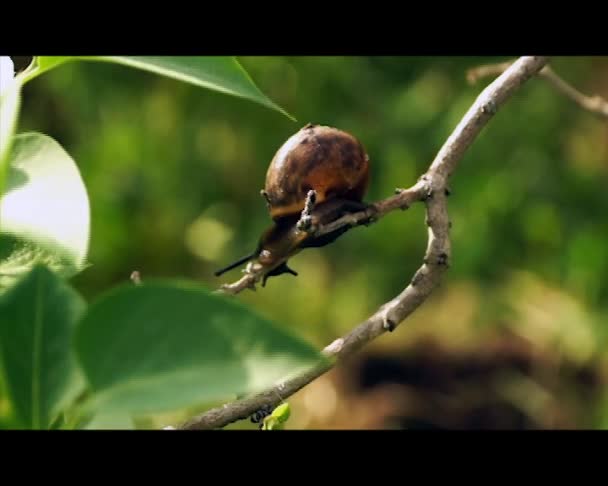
(323, 159)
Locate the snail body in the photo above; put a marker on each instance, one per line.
(328, 161)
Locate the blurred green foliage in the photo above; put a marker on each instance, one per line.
(174, 174)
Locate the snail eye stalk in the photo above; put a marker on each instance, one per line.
(240, 261)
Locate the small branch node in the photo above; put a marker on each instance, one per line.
(489, 108)
(305, 221)
(429, 193)
(389, 325)
(369, 220)
(335, 347)
(424, 177)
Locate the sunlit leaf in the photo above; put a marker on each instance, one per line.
(282, 412)
(218, 73)
(10, 101)
(48, 62)
(223, 74)
(161, 346)
(276, 420)
(45, 210)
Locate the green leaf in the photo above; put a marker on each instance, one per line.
(110, 421)
(282, 412)
(37, 319)
(42, 64)
(44, 212)
(223, 74)
(218, 73)
(270, 423)
(162, 346)
(47, 62)
(10, 101)
(276, 420)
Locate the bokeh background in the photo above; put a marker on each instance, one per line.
(517, 334)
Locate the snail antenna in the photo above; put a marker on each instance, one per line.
(240, 261)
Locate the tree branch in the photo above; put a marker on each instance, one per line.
(430, 188)
(594, 104)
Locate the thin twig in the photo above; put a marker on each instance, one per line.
(486, 70)
(305, 221)
(432, 188)
(595, 104)
(254, 272)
